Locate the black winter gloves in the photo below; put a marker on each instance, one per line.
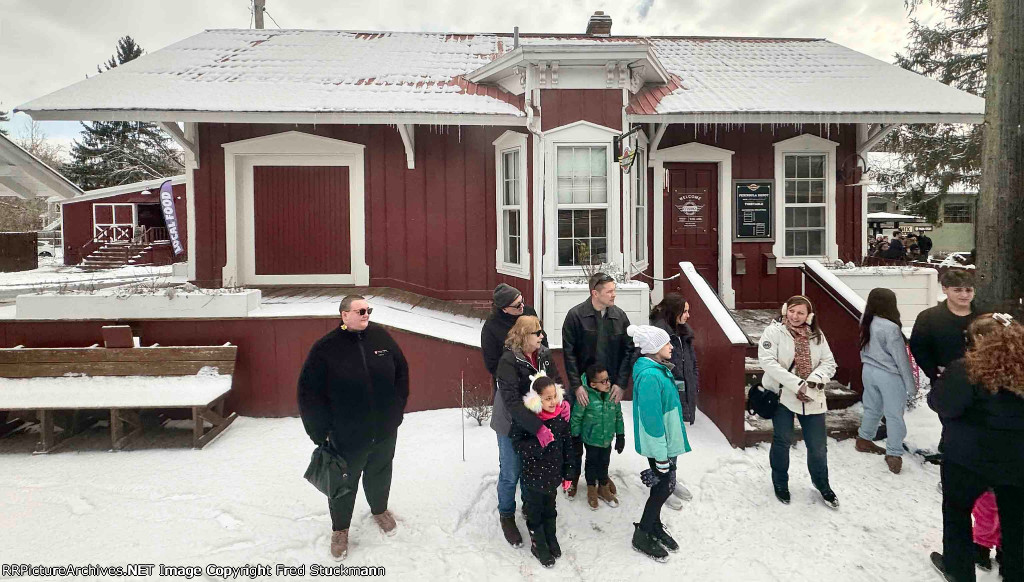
(620, 443)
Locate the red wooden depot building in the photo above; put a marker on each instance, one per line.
(445, 163)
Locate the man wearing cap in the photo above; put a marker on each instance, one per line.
(507, 306)
(594, 332)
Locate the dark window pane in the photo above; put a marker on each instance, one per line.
(581, 223)
(817, 192)
(513, 253)
(803, 167)
(790, 191)
(791, 166)
(565, 224)
(815, 242)
(789, 244)
(598, 222)
(565, 252)
(817, 167)
(512, 223)
(599, 252)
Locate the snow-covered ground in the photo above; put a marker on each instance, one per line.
(53, 274)
(242, 500)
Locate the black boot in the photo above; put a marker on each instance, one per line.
(539, 547)
(940, 566)
(551, 530)
(661, 534)
(645, 543)
(511, 530)
(782, 495)
(982, 557)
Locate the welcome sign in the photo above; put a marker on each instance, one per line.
(170, 217)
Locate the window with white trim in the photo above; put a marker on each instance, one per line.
(511, 256)
(805, 205)
(639, 215)
(582, 204)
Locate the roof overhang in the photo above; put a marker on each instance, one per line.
(101, 193)
(26, 176)
(301, 117)
(638, 57)
(808, 117)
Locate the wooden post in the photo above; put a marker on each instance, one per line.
(258, 7)
(116, 428)
(46, 429)
(1000, 220)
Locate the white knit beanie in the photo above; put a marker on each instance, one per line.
(648, 338)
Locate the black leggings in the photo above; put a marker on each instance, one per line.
(651, 518)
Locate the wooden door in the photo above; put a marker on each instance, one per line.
(691, 219)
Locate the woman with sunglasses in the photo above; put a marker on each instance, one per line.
(352, 394)
(524, 356)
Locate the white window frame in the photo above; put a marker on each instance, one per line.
(639, 171)
(580, 134)
(805, 144)
(508, 142)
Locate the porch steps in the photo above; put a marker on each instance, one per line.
(115, 255)
(146, 255)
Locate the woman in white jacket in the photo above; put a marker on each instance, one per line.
(797, 364)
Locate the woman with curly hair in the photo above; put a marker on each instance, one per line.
(980, 400)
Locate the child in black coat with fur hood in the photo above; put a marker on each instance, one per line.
(547, 461)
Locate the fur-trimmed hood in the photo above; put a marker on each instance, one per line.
(532, 400)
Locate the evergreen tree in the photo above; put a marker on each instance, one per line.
(3, 118)
(937, 157)
(110, 153)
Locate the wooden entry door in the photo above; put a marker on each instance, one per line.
(691, 219)
(302, 220)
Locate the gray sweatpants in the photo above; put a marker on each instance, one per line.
(884, 394)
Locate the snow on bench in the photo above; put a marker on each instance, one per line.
(123, 380)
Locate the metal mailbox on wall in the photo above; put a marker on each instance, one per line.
(754, 212)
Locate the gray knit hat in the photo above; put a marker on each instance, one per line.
(504, 295)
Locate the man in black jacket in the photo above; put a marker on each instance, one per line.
(508, 306)
(939, 335)
(352, 394)
(595, 332)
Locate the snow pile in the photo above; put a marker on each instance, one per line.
(81, 391)
(242, 500)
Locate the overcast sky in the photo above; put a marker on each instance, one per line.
(49, 44)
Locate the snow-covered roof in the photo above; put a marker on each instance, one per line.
(351, 76)
(26, 176)
(887, 216)
(152, 185)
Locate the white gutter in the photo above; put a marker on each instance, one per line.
(807, 117)
(352, 118)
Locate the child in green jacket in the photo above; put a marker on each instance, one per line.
(596, 423)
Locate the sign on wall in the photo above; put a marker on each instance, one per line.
(170, 217)
(754, 214)
(690, 211)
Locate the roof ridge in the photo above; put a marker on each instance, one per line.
(522, 34)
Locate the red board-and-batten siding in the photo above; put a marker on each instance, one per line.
(294, 208)
(430, 230)
(77, 217)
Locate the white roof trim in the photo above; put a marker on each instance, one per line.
(571, 54)
(314, 118)
(796, 117)
(125, 189)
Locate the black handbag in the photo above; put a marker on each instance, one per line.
(328, 472)
(764, 402)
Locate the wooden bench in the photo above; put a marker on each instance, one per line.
(121, 380)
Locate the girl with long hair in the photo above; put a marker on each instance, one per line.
(980, 400)
(888, 379)
(797, 363)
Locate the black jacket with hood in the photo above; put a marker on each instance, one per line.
(513, 379)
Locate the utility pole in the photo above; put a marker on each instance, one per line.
(1000, 221)
(258, 8)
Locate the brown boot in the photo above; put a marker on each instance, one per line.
(571, 491)
(895, 463)
(611, 486)
(866, 446)
(592, 496)
(386, 521)
(604, 492)
(339, 545)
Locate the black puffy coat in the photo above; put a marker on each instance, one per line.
(980, 430)
(544, 468)
(684, 361)
(353, 387)
(494, 332)
(513, 379)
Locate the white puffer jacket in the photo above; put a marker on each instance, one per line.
(776, 351)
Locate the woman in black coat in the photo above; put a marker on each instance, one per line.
(671, 315)
(980, 400)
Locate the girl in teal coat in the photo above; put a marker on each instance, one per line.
(658, 432)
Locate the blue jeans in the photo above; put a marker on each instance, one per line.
(884, 393)
(813, 426)
(509, 468)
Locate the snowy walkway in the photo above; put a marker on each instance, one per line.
(243, 500)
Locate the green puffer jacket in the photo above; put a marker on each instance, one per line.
(599, 421)
(658, 430)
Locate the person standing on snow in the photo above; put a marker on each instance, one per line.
(888, 378)
(980, 400)
(797, 363)
(658, 434)
(940, 332)
(525, 356)
(352, 394)
(594, 332)
(507, 306)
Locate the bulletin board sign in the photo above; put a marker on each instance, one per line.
(754, 211)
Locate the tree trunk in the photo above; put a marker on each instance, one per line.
(1000, 220)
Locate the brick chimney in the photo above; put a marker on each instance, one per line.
(600, 24)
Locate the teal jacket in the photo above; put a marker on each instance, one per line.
(658, 429)
(599, 421)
